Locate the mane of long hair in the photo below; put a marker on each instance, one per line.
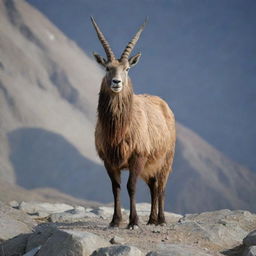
(115, 113)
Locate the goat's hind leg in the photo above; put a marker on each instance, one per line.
(152, 183)
(162, 180)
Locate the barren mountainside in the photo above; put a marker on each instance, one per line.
(204, 179)
(43, 82)
(48, 97)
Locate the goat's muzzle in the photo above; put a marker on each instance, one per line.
(116, 85)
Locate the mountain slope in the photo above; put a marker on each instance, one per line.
(42, 82)
(11, 192)
(204, 178)
(48, 95)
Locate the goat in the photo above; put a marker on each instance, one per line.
(135, 132)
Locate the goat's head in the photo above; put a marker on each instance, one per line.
(117, 69)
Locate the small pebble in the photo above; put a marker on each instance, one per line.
(117, 240)
(14, 204)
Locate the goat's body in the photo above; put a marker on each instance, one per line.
(136, 132)
(150, 133)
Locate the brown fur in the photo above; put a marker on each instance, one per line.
(134, 126)
(135, 132)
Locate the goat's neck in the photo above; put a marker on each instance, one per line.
(114, 113)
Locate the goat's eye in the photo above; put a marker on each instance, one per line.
(107, 69)
(127, 69)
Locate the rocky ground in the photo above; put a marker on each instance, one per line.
(36, 228)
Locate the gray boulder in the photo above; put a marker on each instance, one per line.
(14, 246)
(44, 209)
(250, 239)
(243, 218)
(223, 228)
(64, 242)
(13, 222)
(40, 235)
(33, 251)
(121, 250)
(250, 251)
(178, 250)
(103, 211)
(71, 215)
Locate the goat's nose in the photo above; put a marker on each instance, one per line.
(115, 81)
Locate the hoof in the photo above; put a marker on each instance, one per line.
(132, 226)
(161, 221)
(113, 225)
(152, 222)
(115, 222)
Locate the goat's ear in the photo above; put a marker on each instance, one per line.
(100, 59)
(134, 60)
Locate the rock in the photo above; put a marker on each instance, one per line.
(14, 204)
(40, 235)
(222, 235)
(90, 215)
(173, 216)
(116, 250)
(152, 254)
(250, 251)
(250, 239)
(13, 222)
(44, 209)
(88, 209)
(33, 251)
(14, 246)
(103, 211)
(64, 242)
(177, 250)
(71, 215)
(245, 219)
(117, 240)
(223, 228)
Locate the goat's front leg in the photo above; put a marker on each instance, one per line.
(115, 177)
(136, 165)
